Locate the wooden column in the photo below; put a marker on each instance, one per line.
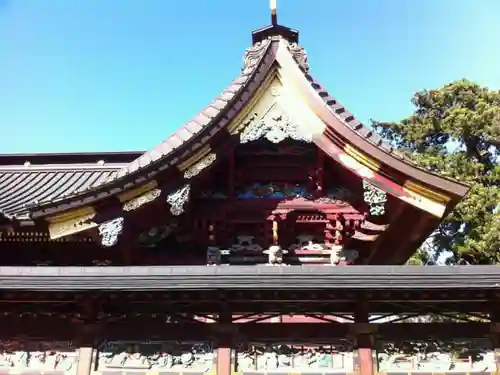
(363, 342)
(224, 344)
(84, 360)
(87, 337)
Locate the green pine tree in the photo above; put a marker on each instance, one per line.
(455, 131)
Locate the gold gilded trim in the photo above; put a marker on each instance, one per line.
(141, 200)
(196, 157)
(71, 214)
(245, 113)
(71, 222)
(134, 193)
(435, 208)
(362, 158)
(426, 192)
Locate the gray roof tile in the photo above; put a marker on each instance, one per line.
(21, 187)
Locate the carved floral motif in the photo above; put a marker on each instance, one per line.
(428, 357)
(254, 54)
(275, 128)
(306, 243)
(178, 199)
(246, 243)
(338, 196)
(275, 191)
(275, 255)
(288, 358)
(173, 356)
(197, 168)
(110, 231)
(300, 55)
(141, 200)
(38, 357)
(375, 198)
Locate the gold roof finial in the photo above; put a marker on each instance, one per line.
(274, 16)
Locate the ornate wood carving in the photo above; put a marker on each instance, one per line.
(141, 200)
(300, 55)
(110, 231)
(161, 355)
(198, 167)
(275, 128)
(37, 357)
(375, 198)
(323, 359)
(275, 255)
(178, 199)
(434, 356)
(246, 243)
(253, 54)
(275, 191)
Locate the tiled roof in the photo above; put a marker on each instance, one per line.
(207, 116)
(182, 278)
(23, 186)
(215, 116)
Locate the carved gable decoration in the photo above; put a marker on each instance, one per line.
(375, 198)
(275, 126)
(110, 231)
(178, 199)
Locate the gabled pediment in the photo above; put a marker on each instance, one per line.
(274, 100)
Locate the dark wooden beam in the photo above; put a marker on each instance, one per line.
(158, 328)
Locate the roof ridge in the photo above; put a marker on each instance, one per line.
(252, 57)
(62, 167)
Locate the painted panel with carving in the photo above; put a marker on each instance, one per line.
(273, 191)
(436, 356)
(165, 356)
(294, 358)
(38, 357)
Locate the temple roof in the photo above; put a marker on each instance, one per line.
(182, 278)
(333, 129)
(30, 179)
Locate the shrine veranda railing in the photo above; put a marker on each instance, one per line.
(188, 357)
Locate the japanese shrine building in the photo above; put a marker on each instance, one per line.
(266, 235)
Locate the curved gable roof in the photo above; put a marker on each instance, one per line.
(342, 131)
(257, 61)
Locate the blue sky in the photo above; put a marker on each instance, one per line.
(93, 75)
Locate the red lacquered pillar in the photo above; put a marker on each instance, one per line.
(224, 343)
(363, 342)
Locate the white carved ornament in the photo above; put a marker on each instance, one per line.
(275, 255)
(275, 128)
(110, 231)
(141, 200)
(197, 168)
(375, 198)
(253, 55)
(178, 199)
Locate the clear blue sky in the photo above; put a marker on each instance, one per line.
(94, 75)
